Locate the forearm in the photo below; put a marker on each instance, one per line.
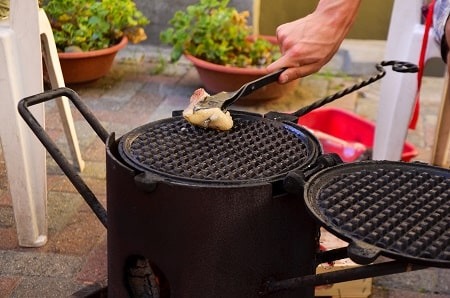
(310, 42)
(338, 14)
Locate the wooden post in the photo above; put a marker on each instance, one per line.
(256, 16)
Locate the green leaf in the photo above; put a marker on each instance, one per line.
(104, 20)
(212, 30)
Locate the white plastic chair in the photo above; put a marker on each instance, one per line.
(21, 76)
(398, 90)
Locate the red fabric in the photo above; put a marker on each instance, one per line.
(423, 50)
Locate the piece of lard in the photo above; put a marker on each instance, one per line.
(213, 117)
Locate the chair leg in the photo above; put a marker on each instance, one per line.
(24, 155)
(57, 80)
(442, 137)
(397, 97)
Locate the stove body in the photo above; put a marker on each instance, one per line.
(206, 238)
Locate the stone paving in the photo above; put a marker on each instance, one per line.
(135, 92)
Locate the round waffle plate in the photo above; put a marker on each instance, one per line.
(254, 150)
(402, 210)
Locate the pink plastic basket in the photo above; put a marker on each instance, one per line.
(348, 133)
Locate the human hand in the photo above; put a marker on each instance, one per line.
(309, 43)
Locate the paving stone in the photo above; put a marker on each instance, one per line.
(95, 267)
(381, 292)
(166, 108)
(59, 183)
(9, 239)
(422, 281)
(6, 217)
(38, 264)
(61, 207)
(5, 197)
(49, 287)
(141, 107)
(8, 284)
(190, 78)
(96, 150)
(78, 237)
(115, 98)
(95, 169)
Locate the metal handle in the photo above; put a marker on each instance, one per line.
(226, 99)
(74, 98)
(367, 271)
(398, 66)
(261, 82)
(53, 149)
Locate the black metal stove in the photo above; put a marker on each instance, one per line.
(201, 213)
(217, 221)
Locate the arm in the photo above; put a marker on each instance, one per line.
(309, 43)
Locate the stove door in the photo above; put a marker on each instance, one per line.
(400, 210)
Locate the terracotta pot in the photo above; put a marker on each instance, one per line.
(81, 67)
(217, 78)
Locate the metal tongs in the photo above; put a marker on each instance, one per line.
(225, 99)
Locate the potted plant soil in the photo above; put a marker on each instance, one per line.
(219, 42)
(89, 33)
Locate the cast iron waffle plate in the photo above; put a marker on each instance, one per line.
(254, 150)
(400, 210)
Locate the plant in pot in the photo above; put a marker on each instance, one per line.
(89, 33)
(217, 39)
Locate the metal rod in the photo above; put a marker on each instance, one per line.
(386, 268)
(77, 102)
(54, 151)
(331, 255)
(398, 66)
